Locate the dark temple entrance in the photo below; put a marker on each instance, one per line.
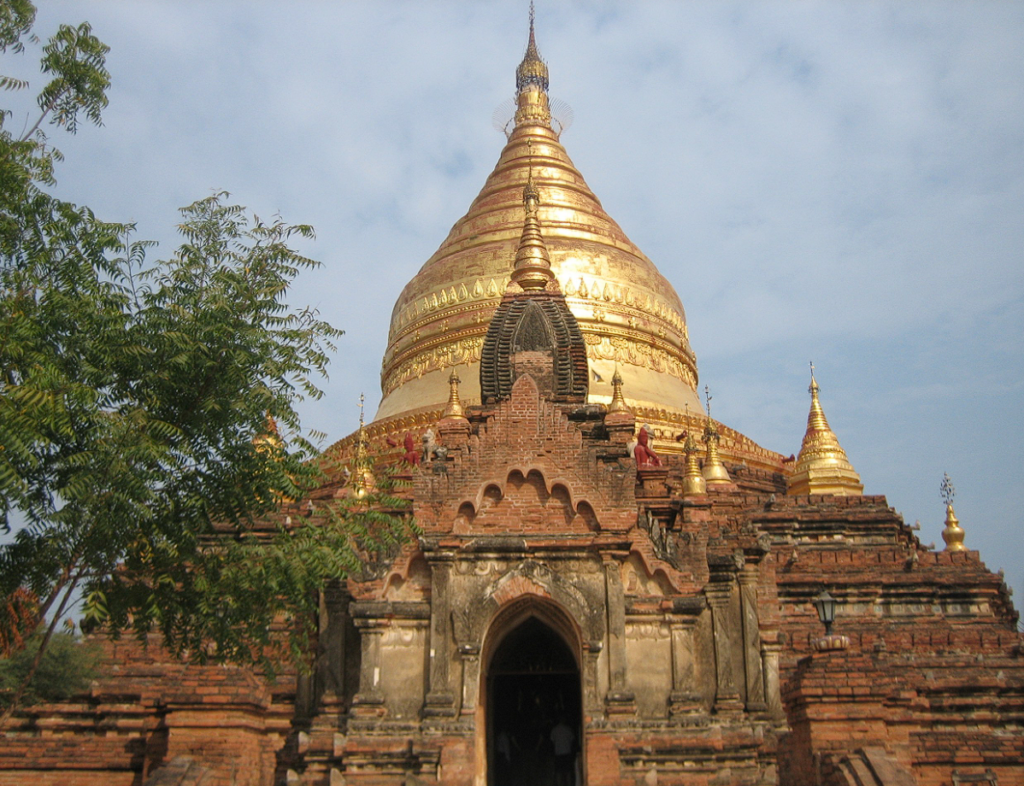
(534, 709)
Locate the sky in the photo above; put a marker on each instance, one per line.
(840, 182)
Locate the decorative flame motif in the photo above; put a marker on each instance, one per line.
(946, 489)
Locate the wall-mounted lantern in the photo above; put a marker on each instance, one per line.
(826, 606)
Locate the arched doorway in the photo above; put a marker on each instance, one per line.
(534, 709)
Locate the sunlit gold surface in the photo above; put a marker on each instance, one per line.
(629, 314)
(618, 403)
(631, 318)
(714, 470)
(953, 533)
(694, 483)
(822, 466)
(454, 407)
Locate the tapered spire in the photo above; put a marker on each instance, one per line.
(362, 479)
(532, 71)
(454, 407)
(694, 484)
(532, 318)
(618, 403)
(533, 262)
(714, 470)
(953, 533)
(532, 85)
(822, 466)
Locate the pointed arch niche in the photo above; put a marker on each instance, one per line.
(531, 682)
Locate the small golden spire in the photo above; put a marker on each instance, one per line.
(953, 533)
(269, 438)
(532, 84)
(454, 408)
(618, 403)
(822, 466)
(694, 484)
(714, 470)
(362, 478)
(532, 268)
(532, 71)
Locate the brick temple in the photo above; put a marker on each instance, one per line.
(609, 587)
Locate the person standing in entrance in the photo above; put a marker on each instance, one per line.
(564, 742)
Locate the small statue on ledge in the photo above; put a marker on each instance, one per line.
(643, 452)
(412, 456)
(431, 449)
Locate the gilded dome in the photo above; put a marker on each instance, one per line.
(630, 316)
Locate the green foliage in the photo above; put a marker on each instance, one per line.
(146, 409)
(16, 19)
(67, 667)
(231, 602)
(75, 58)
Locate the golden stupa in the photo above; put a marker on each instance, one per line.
(629, 313)
(631, 318)
(822, 466)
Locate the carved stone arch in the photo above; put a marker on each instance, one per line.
(534, 579)
(409, 578)
(534, 331)
(541, 320)
(533, 666)
(489, 494)
(641, 578)
(656, 568)
(512, 614)
(585, 510)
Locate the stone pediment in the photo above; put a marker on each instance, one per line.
(528, 469)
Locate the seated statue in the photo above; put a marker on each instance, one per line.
(643, 452)
(412, 456)
(431, 449)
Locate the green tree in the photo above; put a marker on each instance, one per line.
(147, 410)
(66, 667)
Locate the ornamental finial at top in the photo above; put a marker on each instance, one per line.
(714, 470)
(362, 479)
(454, 409)
(618, 403)
(532, 70)
(952, 533)
(816, 418)
(946, 489)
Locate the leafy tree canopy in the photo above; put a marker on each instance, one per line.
(145, 406)
(66, 668)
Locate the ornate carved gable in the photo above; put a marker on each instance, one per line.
(534, 333)
(528, 468)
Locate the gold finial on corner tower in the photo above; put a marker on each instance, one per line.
(618, 403)
(362, 479)
(953, 533)
(454, 407)
(694, 484)
(822, 466)
(714, 471)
